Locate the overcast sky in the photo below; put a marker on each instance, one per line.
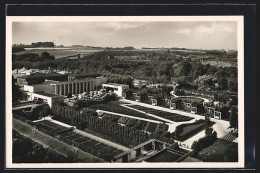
(199, 35)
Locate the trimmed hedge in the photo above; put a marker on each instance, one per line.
(195, 128)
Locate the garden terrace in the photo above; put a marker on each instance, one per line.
(162, 128)
(82, 142)
(110, 117)
(91, 146)
(117, 108)
(151, 127)
(123, 120)
(49, 127)
(163, 114)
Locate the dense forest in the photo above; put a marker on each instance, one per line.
(162, 67)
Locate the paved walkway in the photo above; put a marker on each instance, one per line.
(50, 142)
(25, 106)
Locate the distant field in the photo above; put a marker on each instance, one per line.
(60, 53)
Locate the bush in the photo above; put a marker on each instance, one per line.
(204, 142)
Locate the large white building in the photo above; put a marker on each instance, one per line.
(51, 90)
(116, 88)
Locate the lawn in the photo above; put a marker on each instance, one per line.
(220, 151)
(117, 108)
(191, 99)
(188, 130)
(163, 114)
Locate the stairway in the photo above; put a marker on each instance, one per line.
(230, 137)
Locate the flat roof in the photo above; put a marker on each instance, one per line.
(72, 81)
(42, 75)
(85, 75)
(115, 84)
(48, 94)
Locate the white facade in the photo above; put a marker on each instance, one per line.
(39, 88)
(52, 90)
(118, 88)
(77, 86)
(45, 98)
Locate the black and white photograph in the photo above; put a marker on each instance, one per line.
(125, 91)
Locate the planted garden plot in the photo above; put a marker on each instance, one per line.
(48, 127)
(82, 142)
(123, 120)
(161, 128)
(117, 108)
(163, 114)
(152, 127)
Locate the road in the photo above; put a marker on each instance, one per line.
(50, 142)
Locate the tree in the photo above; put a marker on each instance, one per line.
(233, 119)
(232, 86)
(16, 93)
(224, 112)
(195, 147)
(183, 69)
(46, 56)
(223, 83)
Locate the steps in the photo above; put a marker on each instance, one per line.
(230, 137)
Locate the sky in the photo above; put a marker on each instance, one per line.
(184, 34)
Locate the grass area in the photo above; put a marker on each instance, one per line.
(164, 156)
(220, 151)
(114, 106)
(191, 99)
(163, 114)
(188, 130)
